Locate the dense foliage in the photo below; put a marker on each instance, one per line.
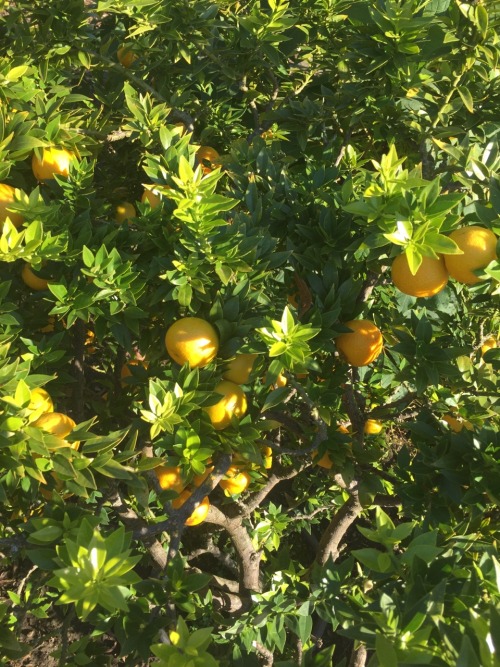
(345, 132)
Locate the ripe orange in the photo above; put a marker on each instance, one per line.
(126, 371)
(207, 157)
(488, 344)
(325, 461)
(200, 511)
(126, 56)
(267, 456)
(7, 197)
(233, 402)
(199, 479)
(479, 249)
(151, 196)
(54, 162)
(30, 279)
(280, 381)
(363, 345)
(430, 278)
(58, 424)
(372, 427)
(456, 425)
(192, 340)
(40, 403)
(124, 212)
(170, 478)
(235, 481)
(238, 369)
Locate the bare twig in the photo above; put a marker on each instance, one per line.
(277, 476)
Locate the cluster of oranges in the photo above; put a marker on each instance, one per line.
(478, 249)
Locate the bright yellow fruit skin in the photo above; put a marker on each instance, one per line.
(30, 279)
(488, 344)
(200, 512)
(151, 196)
(124, 212)
(192, 340)
(479, 249)
(363, 345)
(431, 277)
(233, 402)
(6, 199)
(57, 424)
(170, 478)
(54, 162)
(40, 403)
(236, 483)
(126, 56)
(372, 427)
(239, 369)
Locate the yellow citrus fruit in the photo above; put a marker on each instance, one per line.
(57, 424)
(124, 212)
(40, 403)
(170, 478)
(279, 382)
(233, 402)
(192, 340)
(456, 425)
(208, 158)
(126, 371)
(372, 427)
(200, 511)
(151, 196)
(489, 344)
(126, 56)
(54, 162)
(199, 479)
(325, 461)
(430, 278)
(30, 279)
(363, 345)
(479, 249)
(7, 197)
(238, 369)
(235, 482)
(267, 457)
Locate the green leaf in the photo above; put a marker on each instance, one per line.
(385, 651)
(466, 98)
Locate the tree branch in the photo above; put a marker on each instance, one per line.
(358, 656)
(339, 525)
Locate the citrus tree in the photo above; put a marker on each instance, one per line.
(249, 332)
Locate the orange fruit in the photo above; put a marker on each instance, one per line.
(363, 345)
(200, 511)
(235, 482)
(126, 371)
(372, 427)
(7, 197)
(280, 381)
(40, 403)
(54, 162)
(57, 424)
(233, 402)
(456, 425)
(488, 344)
(267, 457)
(207, 157)
(238, 369)
(325, 461)
(430, 278)
(199, 479)
(192, 340)
(151, 196)
(124, 212)
(479, 249)
(126, 56)
(170, 478)
(30, 279)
